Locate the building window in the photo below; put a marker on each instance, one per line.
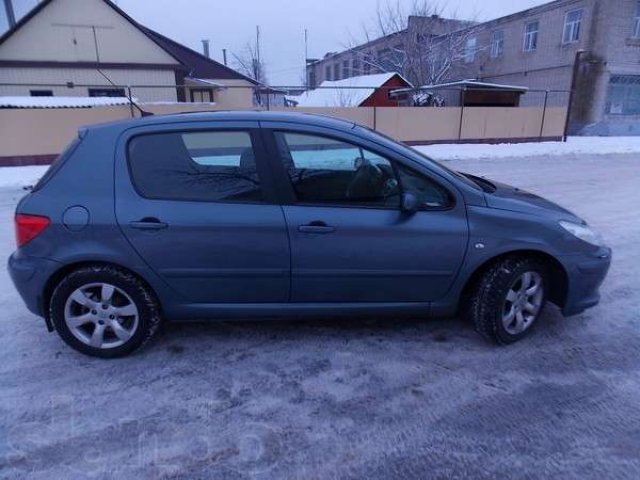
(202, 95)
(367, 63)
(624, 95)
(497, 43)
(355, 67)
(107, 92)
(327, 72)
(572, 24)
(470, 49)
(636, 22)
(337, 74)
(386, 61)
(41, 93)
(531, 36)
(345, 69)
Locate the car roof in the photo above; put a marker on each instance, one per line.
(249, 115)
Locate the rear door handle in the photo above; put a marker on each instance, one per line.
(316, 227)
(148, 223)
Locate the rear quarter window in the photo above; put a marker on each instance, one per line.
(57, 164)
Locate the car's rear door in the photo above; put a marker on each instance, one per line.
(196, 202)
(350, 242)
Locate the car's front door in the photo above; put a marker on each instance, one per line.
(194, 202)
(350, 241)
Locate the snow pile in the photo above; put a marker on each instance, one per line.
(574, 145)
(12, 177)
(330, 95)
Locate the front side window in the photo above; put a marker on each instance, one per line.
(636, 21)
(572, 24)
(210, 166)
(470, 50)
(497, 43)
(331, 172)
(531, 36)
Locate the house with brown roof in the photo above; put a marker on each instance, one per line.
(92, 48)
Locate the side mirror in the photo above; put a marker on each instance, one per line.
(409, 203)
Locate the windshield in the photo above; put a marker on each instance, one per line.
(412, 152)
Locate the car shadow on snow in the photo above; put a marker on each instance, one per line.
(177, 338)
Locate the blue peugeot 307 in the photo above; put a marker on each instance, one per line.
(254, 214)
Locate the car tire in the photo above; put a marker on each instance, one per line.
(508, 299)
(104, 311)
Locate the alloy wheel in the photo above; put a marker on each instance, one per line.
(101, 315)
(523, 302)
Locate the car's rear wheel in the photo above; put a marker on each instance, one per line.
(509, 298)
(104, 311)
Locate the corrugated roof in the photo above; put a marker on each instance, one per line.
(201, 66)
(62, 102)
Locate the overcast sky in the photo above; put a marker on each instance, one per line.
(230, 24)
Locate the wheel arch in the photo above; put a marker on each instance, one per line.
(65, 270)
(557, 275)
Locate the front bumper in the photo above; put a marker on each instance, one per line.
(585, 274)
(30, 276)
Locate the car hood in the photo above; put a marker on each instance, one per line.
(507, 197)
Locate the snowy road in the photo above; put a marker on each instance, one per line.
(359, 399)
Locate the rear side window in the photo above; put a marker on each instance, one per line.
(208, 166)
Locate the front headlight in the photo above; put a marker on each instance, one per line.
(584, 233)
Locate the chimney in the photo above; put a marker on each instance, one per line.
(205, 48)
(11, 16)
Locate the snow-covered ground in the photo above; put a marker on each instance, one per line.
(574, 146)
(369, 398)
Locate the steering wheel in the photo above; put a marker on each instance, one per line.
(368, 180)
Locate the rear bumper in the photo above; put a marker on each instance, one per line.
(586, 273)
(30, 276)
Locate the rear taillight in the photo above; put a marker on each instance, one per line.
(29, 227)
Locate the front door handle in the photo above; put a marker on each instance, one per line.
(148, 223)
(316, 227)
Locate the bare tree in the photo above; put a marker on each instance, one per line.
(250, 63)
(426, 50)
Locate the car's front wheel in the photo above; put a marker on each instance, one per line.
(508, 298)
(104, 311)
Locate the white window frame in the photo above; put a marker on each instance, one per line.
(470, 48)
(636, 21)
(572, 28)
(530, 36)
(497, 43)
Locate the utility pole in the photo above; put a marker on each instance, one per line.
(224, 56)
(258, 62)
(306, 58)
(11, 16)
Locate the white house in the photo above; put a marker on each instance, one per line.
(93, 48)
